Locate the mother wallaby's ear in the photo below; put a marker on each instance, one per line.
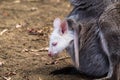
(57, 23)
(73, 25)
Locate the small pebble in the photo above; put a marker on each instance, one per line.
(1, 64)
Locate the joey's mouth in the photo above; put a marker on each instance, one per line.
(52, 54)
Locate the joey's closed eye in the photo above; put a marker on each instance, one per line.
(54, 43)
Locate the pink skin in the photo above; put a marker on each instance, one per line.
(60, 37)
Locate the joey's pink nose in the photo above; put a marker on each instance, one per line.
(50, 54)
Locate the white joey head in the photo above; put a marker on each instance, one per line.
(60, 37)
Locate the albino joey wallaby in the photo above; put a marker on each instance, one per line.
(61, 37)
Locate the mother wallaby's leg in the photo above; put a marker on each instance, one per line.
(105, 48)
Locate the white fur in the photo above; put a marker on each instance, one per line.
(62, 40)
(56, 23)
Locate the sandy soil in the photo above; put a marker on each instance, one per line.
(25, 26)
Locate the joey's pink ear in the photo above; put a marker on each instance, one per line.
(57, 23)
(64, 27)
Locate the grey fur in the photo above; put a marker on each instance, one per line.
(96, 17)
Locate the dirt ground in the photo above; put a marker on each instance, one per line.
(25, 26)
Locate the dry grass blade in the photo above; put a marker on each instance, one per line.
(2, 32)
(7, 78)
(35, 50)
(57, 60)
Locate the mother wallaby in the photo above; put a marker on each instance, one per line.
(98, 37)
